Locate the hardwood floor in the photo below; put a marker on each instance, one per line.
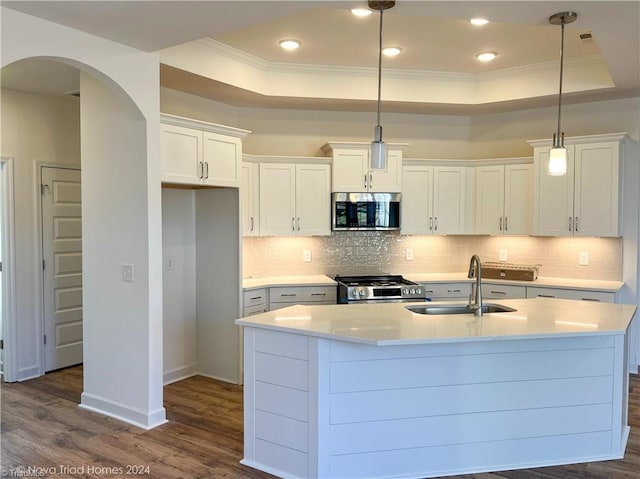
(42, 426)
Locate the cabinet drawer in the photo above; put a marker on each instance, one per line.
(444, 291)
(604, 296)
(251, 310)
(504, 291)
(255, 297)
(301, 294)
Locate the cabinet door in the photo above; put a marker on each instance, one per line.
(552, 196)
(449, 199)
(518, 199)
(503, 291)
(417, 199)
(180, 154)
(350, 171)
(277, 199)
(389, 180)
(313, 200)
(447, 291)
(249, 199)
(490, 200)
(578, 294)
(596, 197)
(221, 156)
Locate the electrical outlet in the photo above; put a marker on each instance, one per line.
(408, 254)
(584, 258)
(127, 273)
(306, 256)
(503, 255)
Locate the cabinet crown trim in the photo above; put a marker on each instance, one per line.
(203, 125)
(328, 147)
(574, 140)
(466, 162)
(285, 159)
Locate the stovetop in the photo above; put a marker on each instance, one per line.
(372, 288)
(378, 281)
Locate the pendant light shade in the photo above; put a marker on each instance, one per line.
(558, 153)
(378, 157)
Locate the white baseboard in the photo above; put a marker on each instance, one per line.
(122, 412)
(178, 374)
(32, 372)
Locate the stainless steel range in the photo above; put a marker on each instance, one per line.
(373, 289)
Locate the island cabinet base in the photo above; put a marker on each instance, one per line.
(324, 408)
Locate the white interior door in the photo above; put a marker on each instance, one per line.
(2, 233)
(62, 253)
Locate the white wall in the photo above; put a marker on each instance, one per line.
(178, 279)
(35, 128)
(121, 183)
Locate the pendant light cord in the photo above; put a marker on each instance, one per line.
(380, 64)
(560, 143)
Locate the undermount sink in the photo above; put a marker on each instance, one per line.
(459, 309)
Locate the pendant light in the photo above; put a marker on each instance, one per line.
(558, 153)
(378, 147)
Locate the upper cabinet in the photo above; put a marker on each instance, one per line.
(351, 173)
(194, 152)
(434, 199)
(504, 195)
(295, 199)
(250, 198)
(587, 200)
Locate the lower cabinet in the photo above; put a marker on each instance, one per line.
(281, 297)
(503, 291)
(584, 295)
(447, 291)
(255, 302)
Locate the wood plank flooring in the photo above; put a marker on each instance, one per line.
(42, 426)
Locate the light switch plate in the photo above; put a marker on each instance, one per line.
(127, 273)
(584, 258)
(503, 255)
(408, 254)
(306, 256)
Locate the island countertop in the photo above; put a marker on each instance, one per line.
(393, 324)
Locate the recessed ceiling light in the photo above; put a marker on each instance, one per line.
(479, 21)
(486, 56)
(361, 12)
(289, 44)
(391, 51)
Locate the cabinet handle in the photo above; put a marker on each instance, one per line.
(251, 224)
(590, 299)
(364, 181)
(575, 224)
(287, 295)
(570, 223)
(454, 291)
(435, 224)
(293, 224)
(255, 297)
(206, 169)
(498, 292)
(298, 223)
(506, 220)
(200, 169)
(546, 296)
(430, 223)
(501, 223)
(429, 291)
(370, 180)
(318, 294)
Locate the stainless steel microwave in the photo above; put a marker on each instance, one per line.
(365, 211)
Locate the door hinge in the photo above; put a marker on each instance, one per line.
(1, 343)
(45, 339)
(0, 266)
(43, 264)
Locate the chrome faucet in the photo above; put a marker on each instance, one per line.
(475, 299)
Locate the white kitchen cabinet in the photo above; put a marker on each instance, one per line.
(281, 297)
(504, 199)
(194, 152)
(503, 291)
(295, 199)
(434, 199)
(587, 200)
(578, 294)
(351, 173)
(255, 301)
(250, 198)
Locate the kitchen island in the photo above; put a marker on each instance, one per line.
(375, 390)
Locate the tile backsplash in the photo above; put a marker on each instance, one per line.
(371, 252)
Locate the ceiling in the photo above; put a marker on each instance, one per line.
(436, 71)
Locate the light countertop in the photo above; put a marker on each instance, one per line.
(542, 281)
(392, 324)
